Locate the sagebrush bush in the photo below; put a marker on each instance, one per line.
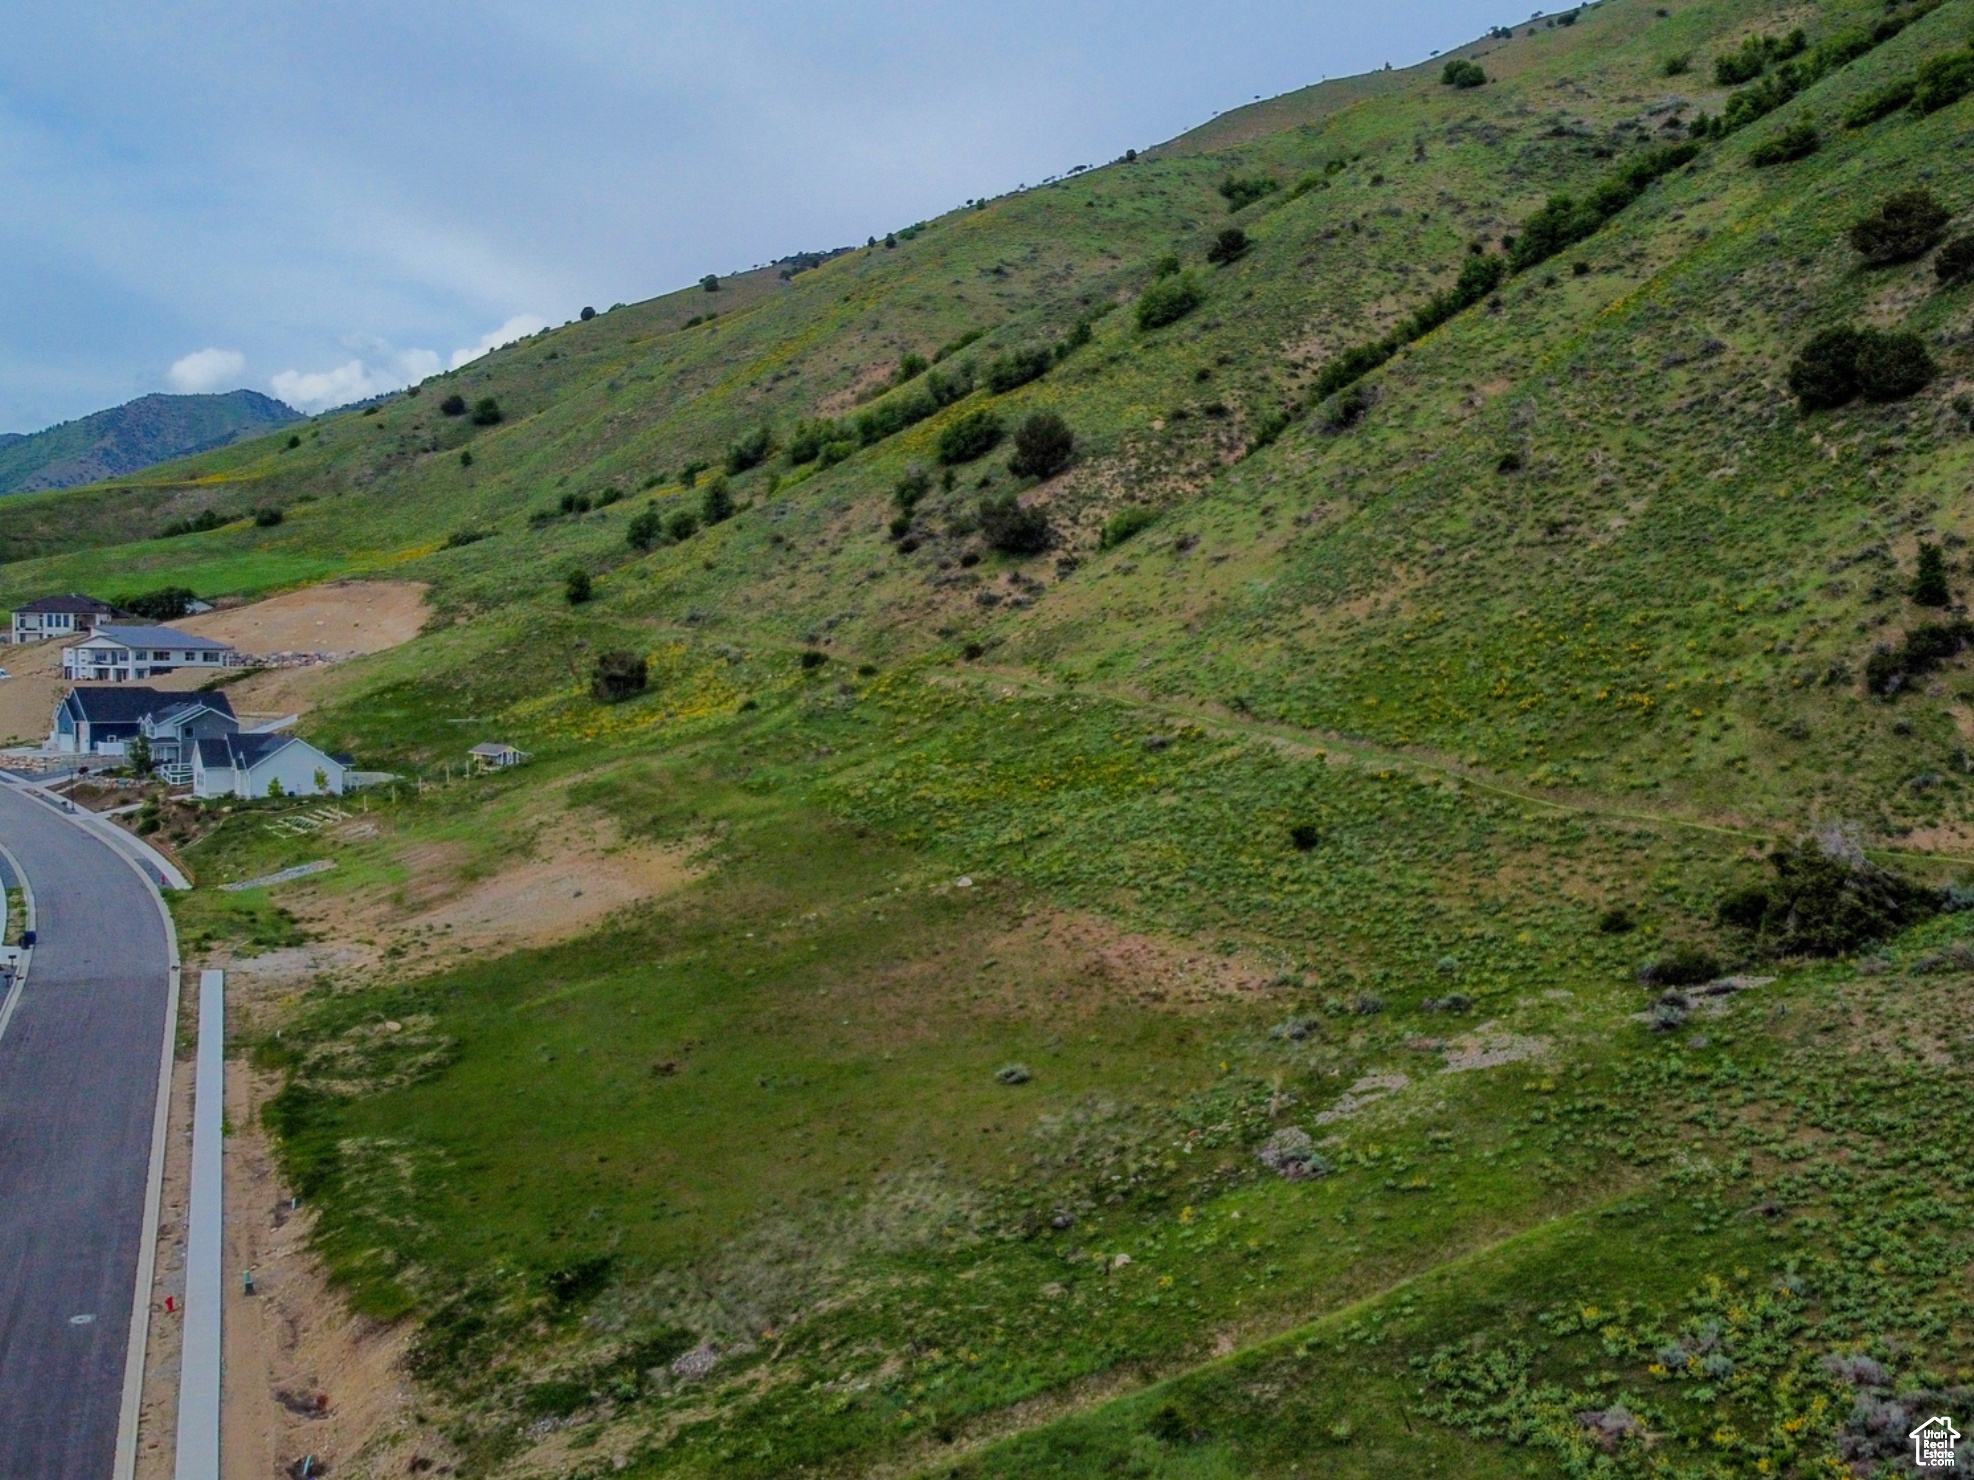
(1043, 446)
(617, 676)
(1904, 226)
(1230, 246)
(1680, 966)
(1167, 300)
(1011, 528)
(973, 436)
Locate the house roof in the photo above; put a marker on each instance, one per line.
(74, 602)
(125, 704)
(488, 747)
(216, 701)
(241, 750)
(154, 637)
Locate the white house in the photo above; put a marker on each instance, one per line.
(59, 616)
(118, 654)
(264, 765)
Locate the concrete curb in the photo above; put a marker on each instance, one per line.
(160, 871)
(199, 1366)
(27, 956)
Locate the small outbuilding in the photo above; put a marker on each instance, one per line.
(488, 756)
(264, 766)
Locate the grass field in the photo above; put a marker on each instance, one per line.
(1169, 1003)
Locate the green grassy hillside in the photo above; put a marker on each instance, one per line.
(1279, 1094)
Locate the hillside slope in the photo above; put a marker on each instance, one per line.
(149, 430)
(1282, 950)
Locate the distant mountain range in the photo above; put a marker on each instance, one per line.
(137, 434)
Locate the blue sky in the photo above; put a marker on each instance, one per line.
(323, 201)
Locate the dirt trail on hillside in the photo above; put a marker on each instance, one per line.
(344, 618)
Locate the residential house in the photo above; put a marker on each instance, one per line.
(488, 756)
(118, 654)
(240, 765)
(105, 721)
(60, 616)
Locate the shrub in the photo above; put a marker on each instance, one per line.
(682, 524)
(1892, 366)
(1745, 65)
(1012, 529)
(1126, 523)
(1563, 221)
(1043, 446)
(1929, 583)
(1615, 921)
(267, 518)
(1827, 899)
(1955, 264)
(973, 435)
(1230, 246)
(1798, 141)
(1347, 409)
(618, 676)
(689, 474)
(910, 367)
(453, 405)
(911, 488)
(1352, 365)
(577, 587)
(750, 451)
(955, 345)
(1017, 367)
(460, 538)
(645, 530)
(1462, 73)
(1677, 66)
(574, 503)
(806, 442)
(166, 604)
(1873, 106)
(293, 442)
(1681, 966)
(1925, 648)
(1166, 266)
(812, 659)
(716, 503)
(486, 412)
(710, 282)
(1479, 276)
(1242, 193)
(1167, 300)
(1825, 372)
(1904, 226)
(1943, 81)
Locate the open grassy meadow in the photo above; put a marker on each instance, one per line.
(1400, 911)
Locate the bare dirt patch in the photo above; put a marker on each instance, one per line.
(1488, 1046)
(579, 872)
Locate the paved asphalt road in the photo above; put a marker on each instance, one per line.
(78, 1093)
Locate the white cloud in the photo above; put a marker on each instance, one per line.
(357, 379)
(518, 327)
(206, 370)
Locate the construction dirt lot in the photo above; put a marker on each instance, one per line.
(342, 620)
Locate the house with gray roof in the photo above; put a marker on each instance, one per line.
(118, 654)
(103, 721)
(264, 765)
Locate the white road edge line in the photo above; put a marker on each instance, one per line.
(147, 1249)
(199, 1366)
(27, 956)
